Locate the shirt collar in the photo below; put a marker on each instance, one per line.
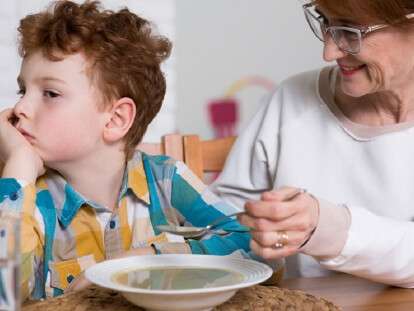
(68, 201)
(137, 178)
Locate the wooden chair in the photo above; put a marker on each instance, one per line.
(201, 156)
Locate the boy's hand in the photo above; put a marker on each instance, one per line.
(137, 252)
(80, 282)
(20, 158)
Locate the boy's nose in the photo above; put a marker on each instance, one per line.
(331, 51)
(22, 108)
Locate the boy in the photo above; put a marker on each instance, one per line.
(90, 83)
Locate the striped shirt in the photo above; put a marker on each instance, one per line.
(71, 233)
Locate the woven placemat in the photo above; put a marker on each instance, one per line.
(257, 298)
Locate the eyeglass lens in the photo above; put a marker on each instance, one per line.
(347, 39)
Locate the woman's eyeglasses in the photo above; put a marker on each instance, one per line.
(348, 39)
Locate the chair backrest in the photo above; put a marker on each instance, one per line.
(201, 156)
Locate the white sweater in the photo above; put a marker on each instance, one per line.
(301, 139)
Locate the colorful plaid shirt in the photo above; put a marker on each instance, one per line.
(63, 233)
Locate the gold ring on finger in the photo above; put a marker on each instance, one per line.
(282, 239)
(279, 245)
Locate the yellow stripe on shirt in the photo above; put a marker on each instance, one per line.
(88, 234)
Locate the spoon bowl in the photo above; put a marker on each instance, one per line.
(188, 232)
(196, 232)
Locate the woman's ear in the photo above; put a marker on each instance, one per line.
(121, 117)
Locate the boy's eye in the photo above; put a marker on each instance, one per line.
(21, 92)
(50, 94)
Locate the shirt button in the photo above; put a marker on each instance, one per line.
(14, 196)
(112, 224)
(70, 278)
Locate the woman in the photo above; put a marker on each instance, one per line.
(346, 135)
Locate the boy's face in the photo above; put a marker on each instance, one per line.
(58, 109)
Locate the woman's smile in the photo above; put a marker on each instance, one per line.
(348, 71)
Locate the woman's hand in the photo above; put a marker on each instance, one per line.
(282, 221)
(20, 158)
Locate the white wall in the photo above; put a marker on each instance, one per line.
(9, 59)
(161, 12)
(220, 41)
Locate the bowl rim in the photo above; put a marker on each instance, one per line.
(262, 273)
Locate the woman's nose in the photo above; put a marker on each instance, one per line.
(331, 51)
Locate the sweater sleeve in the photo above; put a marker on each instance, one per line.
(334, 221)
(250, 166)
(377, 248)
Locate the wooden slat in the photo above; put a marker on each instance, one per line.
(193, 156)
(151, 148)
(215, 153)
(173, 146)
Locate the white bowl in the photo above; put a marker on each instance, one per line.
(252, 272)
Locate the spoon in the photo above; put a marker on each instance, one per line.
(195, 232)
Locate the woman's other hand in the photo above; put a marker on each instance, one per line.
(282, 221)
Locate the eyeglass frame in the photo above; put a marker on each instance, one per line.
(360, 31)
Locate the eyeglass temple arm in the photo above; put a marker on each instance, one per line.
(377, 27)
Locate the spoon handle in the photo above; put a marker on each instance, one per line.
(220, 219)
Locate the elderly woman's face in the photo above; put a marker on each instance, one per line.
(384, 63)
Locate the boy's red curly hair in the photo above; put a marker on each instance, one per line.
(123, 53)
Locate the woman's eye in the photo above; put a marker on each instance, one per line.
(50, 94)
(324, 20)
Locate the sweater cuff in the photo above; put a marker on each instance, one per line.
(331, 234)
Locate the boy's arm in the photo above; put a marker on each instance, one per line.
(20, 168)
(192, 199)
(17, 196)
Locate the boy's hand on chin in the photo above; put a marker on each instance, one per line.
(20, 158)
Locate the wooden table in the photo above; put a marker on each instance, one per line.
(355, 294)
(349, 293)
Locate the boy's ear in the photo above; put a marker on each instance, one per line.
(121, 117)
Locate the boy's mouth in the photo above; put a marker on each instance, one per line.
(25, 134)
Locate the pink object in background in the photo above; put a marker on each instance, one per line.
(224, 112)
(224, 116)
